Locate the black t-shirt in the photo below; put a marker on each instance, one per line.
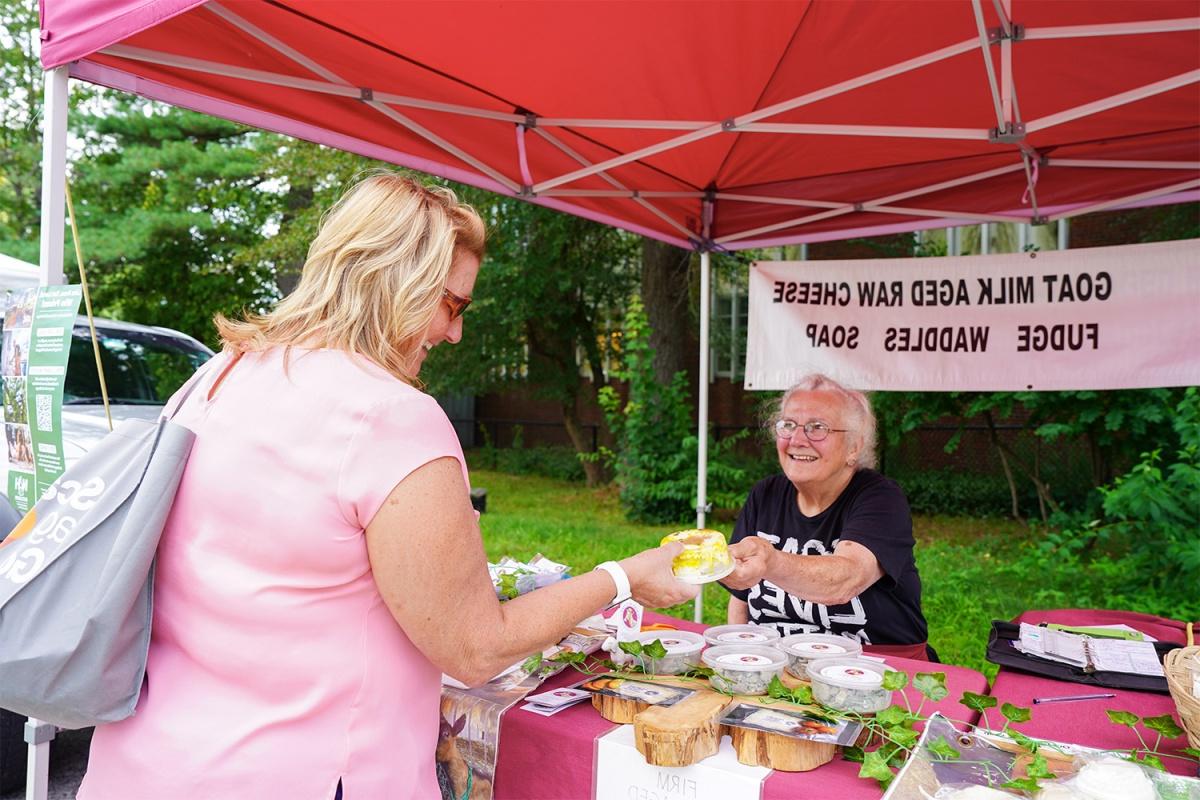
(873, 512)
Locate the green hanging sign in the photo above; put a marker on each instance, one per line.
(37, 344)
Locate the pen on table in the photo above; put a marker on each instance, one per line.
(1065, 698)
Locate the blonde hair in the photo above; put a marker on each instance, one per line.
(857, 407)
(374, 275)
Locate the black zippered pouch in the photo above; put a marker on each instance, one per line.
(1000, 650)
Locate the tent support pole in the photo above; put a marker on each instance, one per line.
(54, 178)
(702, 412)
(39, 734)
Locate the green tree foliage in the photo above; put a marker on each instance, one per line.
(1115, 425)
(20, 141)
(548, 285)
(1150, 528)
(656, 454)
(166, 200)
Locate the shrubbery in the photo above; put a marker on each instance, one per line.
(1147, 542)
(561, 463)
(961, 494)
(655, 462)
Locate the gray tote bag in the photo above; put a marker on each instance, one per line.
(76, 578)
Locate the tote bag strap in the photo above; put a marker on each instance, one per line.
(185, 392)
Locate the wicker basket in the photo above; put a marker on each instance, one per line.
(1179, 679)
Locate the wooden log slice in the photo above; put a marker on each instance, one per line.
(682, 734)
(617, 709)
(774, 750)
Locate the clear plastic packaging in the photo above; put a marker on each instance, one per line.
(744, 668)
(740, 634)
(802, 648)
(849, 684)
(705, 556)
(683, 651)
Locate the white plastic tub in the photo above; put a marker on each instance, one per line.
(740, 634)
(744, 668)
(683, 651)
(803, 648)
(849, 684)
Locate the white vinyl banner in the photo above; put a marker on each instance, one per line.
(1101, 318)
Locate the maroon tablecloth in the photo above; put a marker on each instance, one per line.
(524, 770)
(1084, 721)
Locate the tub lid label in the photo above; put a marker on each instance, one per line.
(858, 676)
(819, 648)
(742, 636)
(744, 660)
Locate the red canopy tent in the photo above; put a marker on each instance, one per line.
(706, 124)
(709, 125)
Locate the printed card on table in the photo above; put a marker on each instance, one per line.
(792, 722)
(654, 694)
(558, 697)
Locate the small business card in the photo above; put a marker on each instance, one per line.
(558, 697)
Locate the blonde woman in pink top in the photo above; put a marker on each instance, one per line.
(322, 566)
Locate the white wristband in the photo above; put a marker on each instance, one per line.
(617, 572)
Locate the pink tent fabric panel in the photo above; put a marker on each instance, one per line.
(606, 80)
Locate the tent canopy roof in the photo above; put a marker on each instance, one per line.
(772, 122)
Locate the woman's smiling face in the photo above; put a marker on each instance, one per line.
(810, 463)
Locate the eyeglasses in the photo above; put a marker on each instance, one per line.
(456, 303)
(813, 431)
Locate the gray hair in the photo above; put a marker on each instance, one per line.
(855, 404)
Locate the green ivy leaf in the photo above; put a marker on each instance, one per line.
(1194, 752)
(1164, 724)
(977, 702)
(633, 648)
(508, 585)
(801, 695)
(569, 657)
(931, 685)
(1015, 713)
(892, 716)
(698, 672)
(532, 664)
(1038, 768)
(943, 750)
(1122, 717)
(777, 690)
(905, 737)
(874, 765)
(854, 754)
(895, 681)
(655, 649)
(1024, 784)
(1150, 760)
(1029, 744)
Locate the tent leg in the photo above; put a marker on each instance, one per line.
(702, 414)
(54, 177)
(37, 779)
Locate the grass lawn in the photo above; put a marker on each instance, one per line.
(973, 570)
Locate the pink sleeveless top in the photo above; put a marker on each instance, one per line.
(275, 668)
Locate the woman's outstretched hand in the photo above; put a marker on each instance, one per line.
(651, 580)
(751, 559)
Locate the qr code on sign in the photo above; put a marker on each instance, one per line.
(45, 420)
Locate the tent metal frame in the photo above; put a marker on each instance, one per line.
(1010, 129)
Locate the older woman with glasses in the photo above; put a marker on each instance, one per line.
(827, 546)
(321, 566)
